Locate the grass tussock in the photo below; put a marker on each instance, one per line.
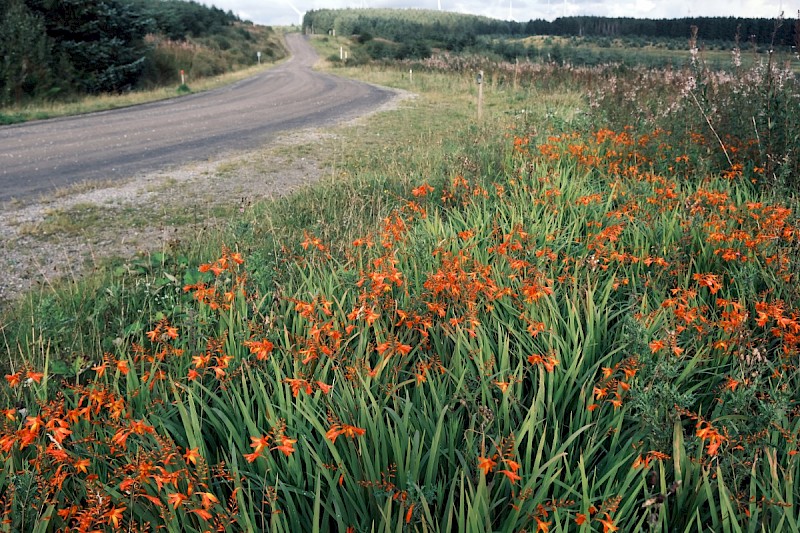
(527, 323)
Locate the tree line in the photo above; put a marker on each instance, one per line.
(50, 48)
(456, 32)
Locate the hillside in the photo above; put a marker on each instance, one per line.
(456, 31)
(59, 50)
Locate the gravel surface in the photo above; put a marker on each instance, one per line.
(35, 248)
(42, 156)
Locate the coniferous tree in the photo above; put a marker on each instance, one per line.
(24, 52)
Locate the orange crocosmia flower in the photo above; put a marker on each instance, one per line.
(512, 476)
(35, 423)
(422, 190)
(261, 349)
(324, 387)
(202, 513)
(486, 464)
(298, 385)
(580, 519)
(191, 456)
(608, 524)
(251, 457)
(122, 366)
(115, 515)
(513, 465)
(100, 369)
(192, 375)
(208, 500)
(286, 447)
(81, 465)
(502, 385)
(731, 384)
(259, 443)
(542, 526)
(176, 499)
(656, 345)
(409, 513)
(14, 379)
(140, 427)
(549, 362)
(36, 377)
(344, 429)
(10, 414)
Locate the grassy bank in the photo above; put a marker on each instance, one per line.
(525, 322)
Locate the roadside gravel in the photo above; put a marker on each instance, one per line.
(70, 232)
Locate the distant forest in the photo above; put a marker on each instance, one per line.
(55, 48)
(419, 30)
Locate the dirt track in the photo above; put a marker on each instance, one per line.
(40, 156)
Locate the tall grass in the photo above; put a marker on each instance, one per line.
(522, 324)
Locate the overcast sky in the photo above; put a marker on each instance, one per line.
(285, 12)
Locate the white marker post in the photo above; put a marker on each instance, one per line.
(183, 78)
(480, 94)
(410, 76)
(258, 55)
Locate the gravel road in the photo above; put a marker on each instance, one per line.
(41, 156)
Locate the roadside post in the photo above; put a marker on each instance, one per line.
(183, 78)
(480, 94)
(258, 55)
(411, 76)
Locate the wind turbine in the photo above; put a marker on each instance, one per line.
(299, 13)
(440, 5)
(510, 9)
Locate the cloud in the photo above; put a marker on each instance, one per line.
(281, 12)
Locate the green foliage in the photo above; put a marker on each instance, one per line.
(25, 53)
(526, 297)
(57, 49)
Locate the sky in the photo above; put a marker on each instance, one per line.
(286, 12)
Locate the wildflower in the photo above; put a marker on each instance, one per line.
(502, 385)
(191, 456)
(608, 524)
(541, 525)
(202, 513)
(176, 499)
(549, 362)
(486, 465)
(580, 519)
(261, 349)
(208, 500)
(347, 430)
(657, 345)
(81, 465)
(259, 443)
(409, 513)
(115, 515)
(512, 476)
(122, 367)
(286, 447)
(14, 379)
(422, 190)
